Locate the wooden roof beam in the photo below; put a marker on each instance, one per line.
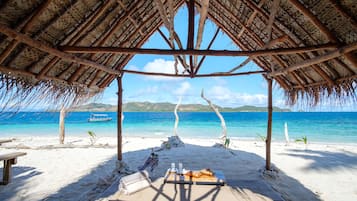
(258, 40)
(201, 24)
(172, 47)
(185, 75)
(102, 40)
(339, 9)
(330, 55)
(257, 60)
(267, 45)
(266, 52)
(209, 47)
(146, 36)
(75, 37)
(43, 47)
(27, 26)
(38, 33)
(282, 32)
(251, 18)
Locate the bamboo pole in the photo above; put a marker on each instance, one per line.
(269, 127)
(119, 117)
(267, 52)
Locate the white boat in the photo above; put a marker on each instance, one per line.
(99, 118)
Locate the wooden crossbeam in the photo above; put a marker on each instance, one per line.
(27, 26)
(200, 75)
(43, 47)
(267, 52)
(319, 59)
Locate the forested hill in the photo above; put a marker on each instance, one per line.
(167, 107)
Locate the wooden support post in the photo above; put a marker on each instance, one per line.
(119, 117)
(191, 32)
(269, 127)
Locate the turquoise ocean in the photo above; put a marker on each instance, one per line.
(332, 127)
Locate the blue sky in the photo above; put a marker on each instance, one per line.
(224, 91)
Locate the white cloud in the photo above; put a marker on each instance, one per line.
(162, 66)
(225, 97)
(183, 89)
(132, 67)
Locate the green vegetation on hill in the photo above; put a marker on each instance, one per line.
(167, 107)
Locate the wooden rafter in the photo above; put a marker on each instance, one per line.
(251, 18)
(172, 47)
(255, 37)
(256, 8)
(45, 27)
(274, 11)
(118, 66)
(203, 15)
(258, 61)
(27, 26)
(340, 10)
(145, 37)
(331, 55)
(268, 45)
(41, 46)
(313, 19)
(209, 47)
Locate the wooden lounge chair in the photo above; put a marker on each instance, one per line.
(9, 159)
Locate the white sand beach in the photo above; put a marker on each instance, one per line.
(77, 171)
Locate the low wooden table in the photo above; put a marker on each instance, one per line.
(217, 179)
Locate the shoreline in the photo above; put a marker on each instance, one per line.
(58, 173)
(237, 139)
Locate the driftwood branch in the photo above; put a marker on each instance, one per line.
(223, 123)
(61, 125)
(177, 119)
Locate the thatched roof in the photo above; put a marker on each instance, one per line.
(307, 47)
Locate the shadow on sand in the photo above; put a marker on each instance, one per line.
(326, 160)
(243, 172)
(20, 176)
